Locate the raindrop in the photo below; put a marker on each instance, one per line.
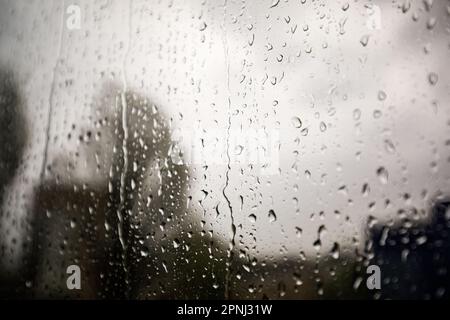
(357, 283)
(274, 3)
(364, 40)
(377, 114)
(322, 231)
(272, 216)
(238, 150)
(383, 175)
(365, 189)
(203, 26)
(381, 95)
(431, 23)
(144, 252)
(389, 146)
(335, 251)
(428, 4)
(296, 122)
(433, 78)
(421, 240)
(317, 244)
(252, 218)
(356, 114)
(406, 6)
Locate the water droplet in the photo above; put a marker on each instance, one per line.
(274, 3)
(272, 216)
(322, 231)
(406, 6)
(317, 244)
(421, 240)
(238, 150)
(356, 114)
(431, 23)
(377, 114)
(335, 251)
(389, 146)
(144, 252)
(365, 189)
(296, 122)
(364, 40)
(357, 283)
(381, 95)
(428, 4)
(203, 26)
(433, 78)
(383, 175)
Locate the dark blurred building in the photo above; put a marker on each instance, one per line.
(414, 258)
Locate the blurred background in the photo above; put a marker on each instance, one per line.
(224, 149)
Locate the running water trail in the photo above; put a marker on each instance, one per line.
(123, 177)
(227, 175)
(51, 97)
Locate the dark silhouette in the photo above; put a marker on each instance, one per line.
(414, 258)
(111, 229)
(12, 143)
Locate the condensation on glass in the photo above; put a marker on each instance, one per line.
(225, 149)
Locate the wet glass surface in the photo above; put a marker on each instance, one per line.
(225, 149)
